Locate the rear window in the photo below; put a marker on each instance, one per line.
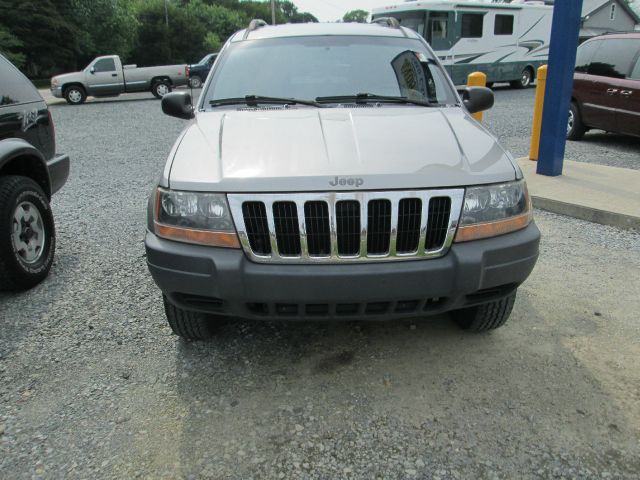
(472, 25)
(635, 73)
(15, 88)
(614, 58)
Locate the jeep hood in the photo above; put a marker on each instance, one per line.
(305, 149)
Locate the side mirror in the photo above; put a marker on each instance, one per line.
(92, 70)
(477, 99)
(178, 104)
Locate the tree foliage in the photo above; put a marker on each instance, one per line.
(46, 37)
(359, 16)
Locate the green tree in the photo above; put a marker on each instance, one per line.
(11, 47)
(359, 16)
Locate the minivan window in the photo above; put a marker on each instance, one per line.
(14, 86)
(635, 73)
(585, 54)
(105, 65)
(503, 25)
(614, 58)
(325, 66)
(472, 25)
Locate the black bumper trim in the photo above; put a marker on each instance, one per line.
(442, 284)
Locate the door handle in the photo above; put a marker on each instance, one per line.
(114, 74)
(612, 91)
(626, 93)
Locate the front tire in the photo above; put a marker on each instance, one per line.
(575, 127)
(526, 77)
(75, 95)
(485, 317)
(191, 325)
(161, 88)
(195, 82)
(27, 233)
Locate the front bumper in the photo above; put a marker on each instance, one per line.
(223, 281)
(58, 168)
(56, 92)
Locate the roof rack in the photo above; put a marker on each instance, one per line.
(255, 24)
(389, 22)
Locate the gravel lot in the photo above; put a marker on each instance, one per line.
(93, 384)
(510, 119)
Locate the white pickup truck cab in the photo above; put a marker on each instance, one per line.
(332, 171)
(106, 77)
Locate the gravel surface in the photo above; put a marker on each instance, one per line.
(94, 385)
(510, 119)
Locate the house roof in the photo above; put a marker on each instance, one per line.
(591, 6)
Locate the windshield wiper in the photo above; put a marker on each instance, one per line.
(254, 100)
(367, 97)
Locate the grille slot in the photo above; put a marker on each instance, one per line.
(409, 216)
(316, 216)
(343, 226)
(438, 222)
(379, 227)
(348, 227)
(285, 217)
(255, 220)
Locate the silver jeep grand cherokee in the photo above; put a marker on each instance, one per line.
(332, 171)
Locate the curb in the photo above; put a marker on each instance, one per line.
(603, 217)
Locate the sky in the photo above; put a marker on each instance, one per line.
(331, 10)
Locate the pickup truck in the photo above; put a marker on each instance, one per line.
(348, 180)
(198, 72)
(106, 77)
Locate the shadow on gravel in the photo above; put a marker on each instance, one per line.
(606, 139)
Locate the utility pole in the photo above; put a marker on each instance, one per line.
(166, 13)
(273, 12)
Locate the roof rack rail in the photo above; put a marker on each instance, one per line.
(389, 22)
(255, 24)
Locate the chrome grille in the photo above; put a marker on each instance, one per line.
(339, 227)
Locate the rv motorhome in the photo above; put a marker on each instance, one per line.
(506, 41)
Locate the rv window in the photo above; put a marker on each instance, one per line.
(503, 25)
(438, 29)
(414, 21)
(472, 25)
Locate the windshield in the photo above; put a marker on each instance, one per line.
(326, 66)
(204, 59)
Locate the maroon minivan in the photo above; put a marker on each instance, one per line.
(606, 86)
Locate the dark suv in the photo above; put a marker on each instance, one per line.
(198, 72)
(606, 86)
(30, 172)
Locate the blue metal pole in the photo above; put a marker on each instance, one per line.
(565, 30)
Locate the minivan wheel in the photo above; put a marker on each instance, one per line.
(485, 317)
(191, 325)
(526, 77)
(27, 233)
(575, 127)
(161, 88)
(195, 82)
(75, 95)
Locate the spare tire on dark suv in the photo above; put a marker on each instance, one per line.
(30, 172)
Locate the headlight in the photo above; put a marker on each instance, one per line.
(492, 210)
(194, 217)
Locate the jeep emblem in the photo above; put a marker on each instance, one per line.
(344, 181)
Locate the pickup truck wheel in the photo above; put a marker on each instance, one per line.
(575, 127)
(161, 88)
(191, 325)
(485, 317)
(27, 233)
(75, 95)
(195, 82)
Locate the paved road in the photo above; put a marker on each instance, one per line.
(93, 384)
(511, 117)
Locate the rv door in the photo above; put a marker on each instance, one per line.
(440, 32)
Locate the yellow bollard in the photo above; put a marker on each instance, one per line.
(537, 113)
(477, 79)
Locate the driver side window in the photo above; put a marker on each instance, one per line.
(105, 65)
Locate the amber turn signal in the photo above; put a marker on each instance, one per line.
(199, 237)
(492, 229)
